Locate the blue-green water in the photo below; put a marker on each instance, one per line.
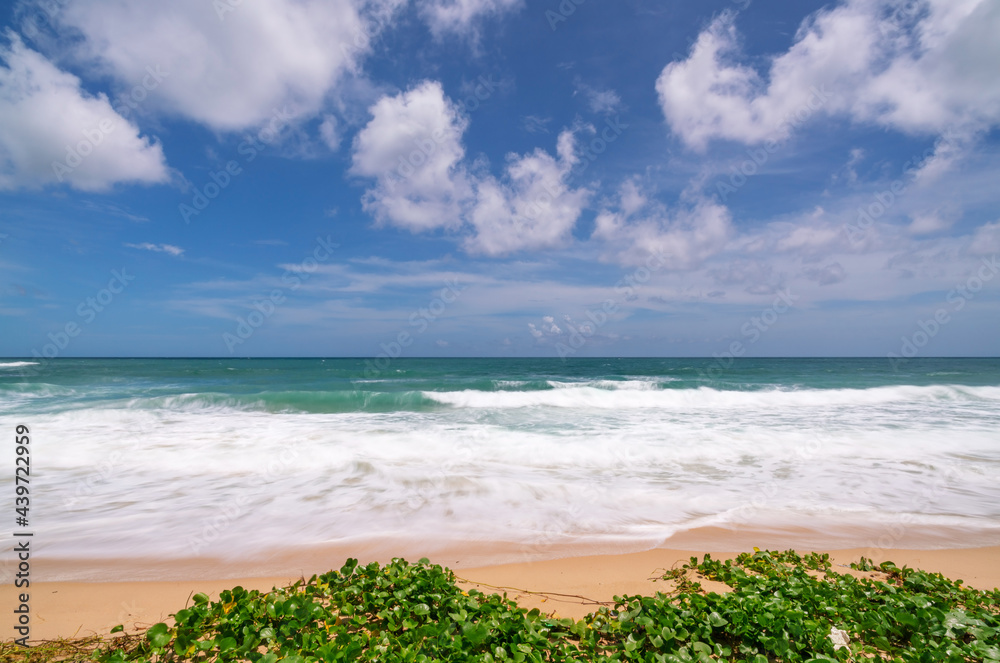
(185, 457)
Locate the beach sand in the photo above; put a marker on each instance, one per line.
(569, 587)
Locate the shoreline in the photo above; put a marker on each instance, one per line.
(571, 586)
(295, 560)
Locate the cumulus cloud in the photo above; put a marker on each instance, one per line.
(413, 149)
(169, 249)
(229, 66)
(634, 229)
(460, 16)
(53, 132)
(532, 207)
(875, 61)
(548, 327)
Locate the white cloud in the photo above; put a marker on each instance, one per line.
(857, 156)
(706, 96)
(754, 274)
(986, 241)
(413, 148)
(810, 237)
(953, 145)
(533, 207)
(923, 72)
(606, 101)
(635, 229)
(52, 132)
(158, 248)
(534, 124)
(600, 101)
(229, 66)
(460, 16)
(924, 224)
(828, 274)
(329, 132)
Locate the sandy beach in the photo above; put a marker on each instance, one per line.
(563, 484)
(569, 587)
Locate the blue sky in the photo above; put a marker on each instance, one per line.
(499, 177)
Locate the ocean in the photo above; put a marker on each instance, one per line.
(174, 459)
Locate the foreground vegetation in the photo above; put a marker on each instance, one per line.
(781, 607)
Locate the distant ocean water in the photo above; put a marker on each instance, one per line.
(178, 458)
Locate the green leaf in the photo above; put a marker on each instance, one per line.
(775, 610)
(475, 634)
(118, 629)
(200, 598)
(158, 635)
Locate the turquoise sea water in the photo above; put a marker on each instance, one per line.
(179, 458)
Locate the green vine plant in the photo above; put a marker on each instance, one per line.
(779, 607)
